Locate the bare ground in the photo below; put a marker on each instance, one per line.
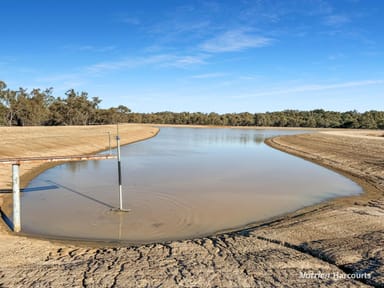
(319, 246)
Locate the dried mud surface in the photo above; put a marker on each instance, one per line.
(319, 246)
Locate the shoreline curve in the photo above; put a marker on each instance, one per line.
(343, 235)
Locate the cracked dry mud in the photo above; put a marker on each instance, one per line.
(338, 237)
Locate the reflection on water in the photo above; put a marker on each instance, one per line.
(229, 138)
(73, 167)
(183, 183)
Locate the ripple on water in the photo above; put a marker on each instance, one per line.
(180, 184)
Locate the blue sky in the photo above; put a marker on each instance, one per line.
(221, 56)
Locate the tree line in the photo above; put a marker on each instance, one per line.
(318, 118)
(40, 107)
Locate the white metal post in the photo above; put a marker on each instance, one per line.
(119, 172)
(16, 197)
(120, 209)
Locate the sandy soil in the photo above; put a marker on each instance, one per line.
(318, 246)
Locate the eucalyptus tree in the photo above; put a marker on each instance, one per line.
(8, 100)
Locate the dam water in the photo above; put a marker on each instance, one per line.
(183, 183)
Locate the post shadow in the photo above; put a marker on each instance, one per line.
(6, 219)
(81, 194)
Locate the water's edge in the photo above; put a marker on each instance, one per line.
(237, 229)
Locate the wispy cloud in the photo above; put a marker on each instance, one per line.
(89, 48)
(318, 87)
(209, 75)
(336, 20)
(62, 82)
(159, 60)
(97, 49)
(336, 56)
(82, 75)
(184, 61)
(234, 40)
(131, 20)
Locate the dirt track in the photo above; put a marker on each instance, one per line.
(314, 247)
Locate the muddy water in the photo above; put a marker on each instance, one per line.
(183, 183)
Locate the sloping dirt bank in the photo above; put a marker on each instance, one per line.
(320, 246)
(60, 141)
(348, 232)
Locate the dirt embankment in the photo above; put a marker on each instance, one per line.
(348, 232)
(319, 246)
(60, 141)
